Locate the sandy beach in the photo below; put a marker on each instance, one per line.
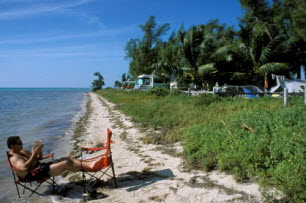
(146, 172)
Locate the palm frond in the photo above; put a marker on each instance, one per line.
(260, 29)
(207, 69)
(273, 67)
(222, 52)
(264, 55)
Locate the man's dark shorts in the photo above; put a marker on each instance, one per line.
(41, 173)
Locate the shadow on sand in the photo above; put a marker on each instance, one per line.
(134, 180)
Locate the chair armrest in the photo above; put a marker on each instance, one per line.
(45, 157)
(86, 149)
(17, 169)
(48, 156)
(96, 157)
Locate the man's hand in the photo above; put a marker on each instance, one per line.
(38, 151)
(35, 151)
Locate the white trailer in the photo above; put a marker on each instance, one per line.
(146, 82)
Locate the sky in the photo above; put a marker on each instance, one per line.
(61, 43)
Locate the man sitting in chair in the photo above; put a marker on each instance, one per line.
(26, 161)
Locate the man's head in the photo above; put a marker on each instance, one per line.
(13, 140)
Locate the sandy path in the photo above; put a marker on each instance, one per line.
(147, 173)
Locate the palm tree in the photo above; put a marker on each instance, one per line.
(257, 52)
(262, 49)
(261, 45)
(98, 83)
(200, 47)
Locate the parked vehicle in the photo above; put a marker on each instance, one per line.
(146, 82)
(250, 90)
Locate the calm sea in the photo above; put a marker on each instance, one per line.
(46, 114)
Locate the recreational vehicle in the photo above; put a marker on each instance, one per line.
(145, 82)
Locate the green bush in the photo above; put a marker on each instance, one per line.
(207, 99)
(159, 91)
(176, 92)
(256, 144)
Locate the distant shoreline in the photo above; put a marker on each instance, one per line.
(45, 88)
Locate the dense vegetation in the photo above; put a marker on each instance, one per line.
(254, 139)
(271, 39)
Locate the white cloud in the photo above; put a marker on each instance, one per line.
(96, 50)
(61, 37)
(40, 9)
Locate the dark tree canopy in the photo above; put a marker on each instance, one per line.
(98, 83)
(143, 52)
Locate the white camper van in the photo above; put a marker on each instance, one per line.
(145, 82)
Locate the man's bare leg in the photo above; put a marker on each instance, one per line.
(70, 164)
(61, 166)
(83, 165)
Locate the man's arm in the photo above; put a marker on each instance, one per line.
(26, 165)
(39, 154)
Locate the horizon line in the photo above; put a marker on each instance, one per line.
(49, 87)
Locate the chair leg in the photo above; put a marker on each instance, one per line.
(91, 186)
(53, 182)
(114, 176)
(34, 191)
(17, 190)
(97, 178)
(84, 179)
(24, 188)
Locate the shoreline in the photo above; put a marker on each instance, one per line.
(54, 129)
(145, 172)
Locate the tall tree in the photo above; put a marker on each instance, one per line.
(144, 52)
(200, 47)
(290, 17)
(260, 45)
(98, 83)
(170, 63)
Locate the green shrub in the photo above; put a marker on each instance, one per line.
(256, 144)
(176, 92)
(207, 99)
(159, 91)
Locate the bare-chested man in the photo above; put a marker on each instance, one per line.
(26, 161)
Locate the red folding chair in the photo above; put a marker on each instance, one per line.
(103, 164)
(23, 183)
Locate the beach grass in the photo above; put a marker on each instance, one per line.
(253, 139)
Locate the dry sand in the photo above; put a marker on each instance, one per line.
(148, 173)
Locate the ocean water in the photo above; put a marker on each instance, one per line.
(46, 114)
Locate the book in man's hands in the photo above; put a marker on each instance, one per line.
(37, 143)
